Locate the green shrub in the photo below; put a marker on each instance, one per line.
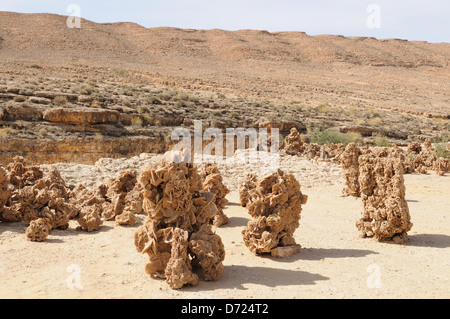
(136, 121)
(381, 141)
(442, 151)
(331, 137)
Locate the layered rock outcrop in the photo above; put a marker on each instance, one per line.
(80, 116)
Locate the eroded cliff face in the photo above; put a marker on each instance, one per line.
(78, 149)
(83, 129)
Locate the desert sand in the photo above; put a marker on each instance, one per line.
(334, 261)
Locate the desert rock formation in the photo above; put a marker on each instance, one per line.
(213, 183)
(40, 201)
(385, 214)
(177, 234)
(350, 167)
(275, 206)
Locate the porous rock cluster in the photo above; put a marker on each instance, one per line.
(246, 185)
(177, 234)
(294, 145)
(385, 213)
(45, 202)
(414, 159)
(275, 203)
(421, 159)
(350, 167)
(120, 199)
(213, 183)
(41, 201)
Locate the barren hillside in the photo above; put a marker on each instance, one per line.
(166, 77)
(329, 68)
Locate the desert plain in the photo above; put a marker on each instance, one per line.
(103, 99)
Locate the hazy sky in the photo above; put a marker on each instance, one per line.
(427, 20)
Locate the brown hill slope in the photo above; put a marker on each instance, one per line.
(31, 35)
(355, 71)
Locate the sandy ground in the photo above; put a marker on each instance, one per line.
(333, 262)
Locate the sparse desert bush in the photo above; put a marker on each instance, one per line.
(60, 100)
(153, 100)
(359, 121)
(181, 97)
(323, 108)
(149, 120)
(86, 90)
(22, 124)
(5, 131)
(127, 92)
(120, 72)
(164, 96)
(356, 137)
(375, 121)
(42, 132)
(98, 136)
(381, 141)
(179, 104)
(442, 139)
(331, 137)
(442, 151)
(136, 121)
(143, 109)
